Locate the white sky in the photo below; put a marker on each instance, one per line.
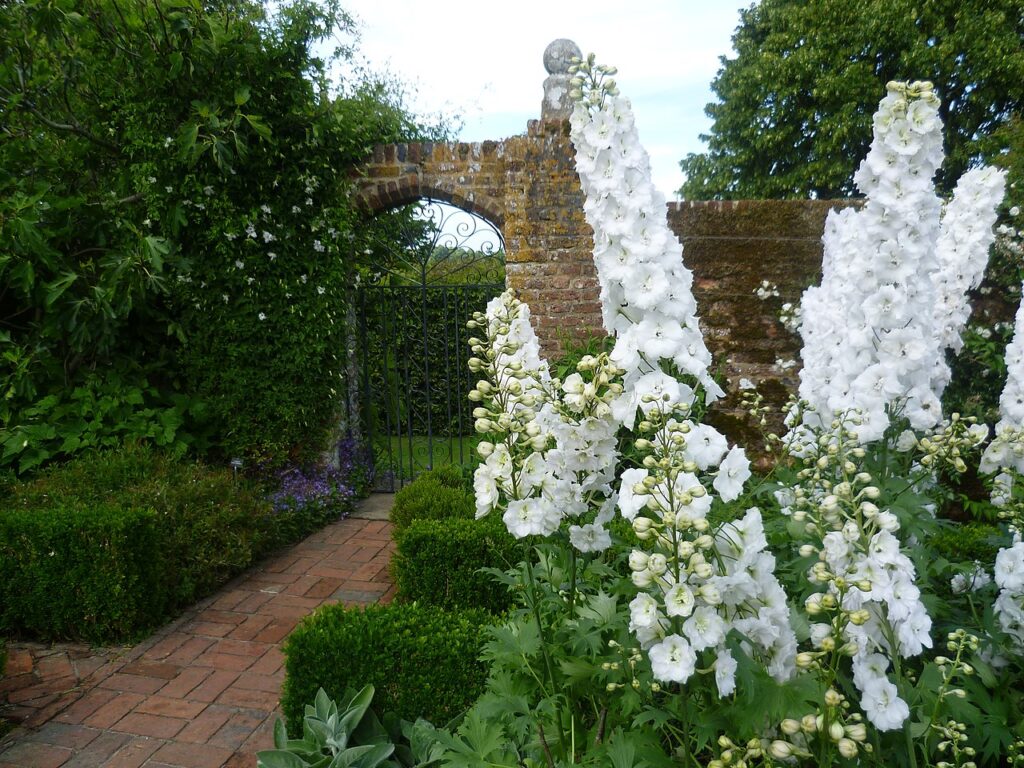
(483, 61)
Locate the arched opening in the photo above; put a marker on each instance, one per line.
(430, 242)
(432, 265)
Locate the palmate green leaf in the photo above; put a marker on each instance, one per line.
(261, 129)
(481, 735)
(601, 608)
(622, 753)
(578, 670)
(513, 641)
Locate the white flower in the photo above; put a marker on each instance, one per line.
(590, 538)
(704, 628)
(733, 472)
(262, 316)
(320, 290)
(643, 612)
(629, 502)
(672, 660)
(725, 672)
(1009, 571)
(679, 600)
(705, 446)
(882, 705)
(974, 579)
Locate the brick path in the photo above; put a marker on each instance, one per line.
(203, 691)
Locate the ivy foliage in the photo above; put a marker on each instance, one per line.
(175, 218)
(793, 110)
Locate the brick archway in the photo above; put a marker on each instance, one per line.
(467, 176)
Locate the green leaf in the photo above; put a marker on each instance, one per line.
(56, 289)
(277, 758)
(176, 61)
(280, 734)
(187, 139)
(356, 709)
(241, 95)
(262, 129)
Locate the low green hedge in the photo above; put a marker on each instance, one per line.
(438, 562)
(88, 573)
(422, 660)
(435, 495)
(106, 547)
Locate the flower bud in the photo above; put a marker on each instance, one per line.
(781, 750)
(857, 731)
(710, 592)
(847, 748)
(790, 727)
(642, 579)
(485, 449)
(657, 564)
(808, 724)
(638, 560)
(835, 731)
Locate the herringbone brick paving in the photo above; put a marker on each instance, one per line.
(203, 691)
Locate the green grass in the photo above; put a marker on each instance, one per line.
(454, 450)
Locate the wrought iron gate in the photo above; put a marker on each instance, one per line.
(408, 376)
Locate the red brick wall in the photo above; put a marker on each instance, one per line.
(527, 187)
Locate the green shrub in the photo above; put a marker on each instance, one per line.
(211, 525)
(422, 660)
(435, 495)
(164, 532)
(968, 543)
(450, 476)
(438, 562)
(93, 573)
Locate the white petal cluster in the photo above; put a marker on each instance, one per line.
(1006, 451)
(1009, 577)
(868, 605)
(966, 234)
(876, 329)
(554, 457)
(646, 291)
(896, 620)
(697, 583)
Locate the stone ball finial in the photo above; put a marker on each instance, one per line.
(558, 56)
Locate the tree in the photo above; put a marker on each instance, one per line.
(794, 107)
(176, 229)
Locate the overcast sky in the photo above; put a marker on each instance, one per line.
(483, 61)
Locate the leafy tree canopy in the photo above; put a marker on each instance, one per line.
(793, 116)
(176, 230)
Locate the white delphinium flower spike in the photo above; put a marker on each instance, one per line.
(876, 329)
(646, 291)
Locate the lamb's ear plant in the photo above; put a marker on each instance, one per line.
(351, 736)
